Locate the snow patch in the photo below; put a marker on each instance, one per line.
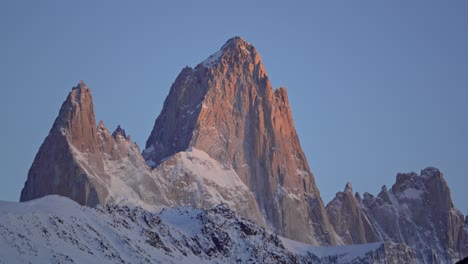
(343, 254)
(213, 59)
(150, 163)
(148, 150)
(412, 194)
(183, 219)
(63, 131)
(209, 169)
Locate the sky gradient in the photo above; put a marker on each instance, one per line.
(376, 88)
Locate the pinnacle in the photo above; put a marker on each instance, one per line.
(235, 45)
(119, 131)
(102, 128)
(236, 42)
(238, 45)
(348, 188)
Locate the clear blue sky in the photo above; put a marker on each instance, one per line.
(376, 87)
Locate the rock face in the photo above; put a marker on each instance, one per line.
(227, 108)
(417, 211)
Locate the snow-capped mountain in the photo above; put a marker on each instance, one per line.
(227, 117)
(227, 108)
(224, 136)
(55, 229)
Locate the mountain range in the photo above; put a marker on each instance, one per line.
(223, 147)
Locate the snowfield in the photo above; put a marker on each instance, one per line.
(55, 229)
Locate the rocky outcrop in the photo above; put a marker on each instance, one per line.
(349, 220)
(417, 211)
(227, 108)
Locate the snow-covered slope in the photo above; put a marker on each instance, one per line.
(55, 229)
(193, 178)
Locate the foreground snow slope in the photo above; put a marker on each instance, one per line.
(55, 229)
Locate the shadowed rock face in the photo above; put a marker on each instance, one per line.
(227, 108)
(417, 211)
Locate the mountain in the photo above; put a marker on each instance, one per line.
(224, 136)
(55, 229)
(227, 108)
(417, 211)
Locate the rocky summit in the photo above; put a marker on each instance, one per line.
(224, 136)
(227, 108)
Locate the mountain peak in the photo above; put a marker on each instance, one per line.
(348, 188)
(76, 118)
(81, 85)
(227, 108)
(119, 131)
(235, 48)
(430, 172)
(101, 125)
(73, 133)
(236, 42)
